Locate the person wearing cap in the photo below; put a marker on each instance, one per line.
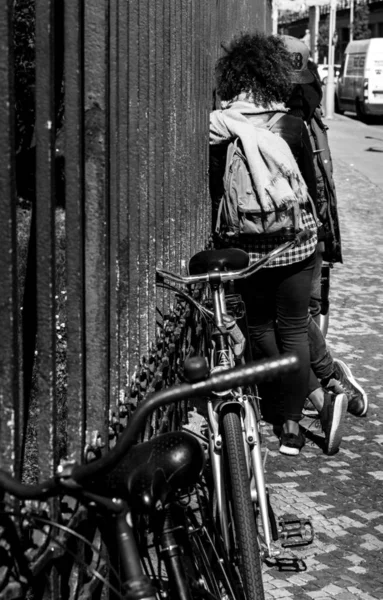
(254, 78)
(299, 56)
(334, 375)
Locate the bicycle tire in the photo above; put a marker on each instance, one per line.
(244, 529)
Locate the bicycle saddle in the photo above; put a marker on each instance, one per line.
(154, 470)
(226, 259)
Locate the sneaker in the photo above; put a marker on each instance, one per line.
(331, 417)
(345, 382)
(290, 443)
(309, 409)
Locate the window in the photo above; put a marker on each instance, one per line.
(355, 65)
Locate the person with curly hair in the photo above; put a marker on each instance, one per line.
(254, 79)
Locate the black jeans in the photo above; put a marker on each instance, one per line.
(277, 302)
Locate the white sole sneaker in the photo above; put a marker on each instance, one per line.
(336, 432)
(288, 451)
(292, 449)
(346, 370)
(309, 410)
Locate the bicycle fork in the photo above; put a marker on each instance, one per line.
(258, 484)
(257, 481)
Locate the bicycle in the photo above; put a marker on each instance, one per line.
(137, 489)
(247, 523)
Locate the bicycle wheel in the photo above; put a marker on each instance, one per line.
(245, 551)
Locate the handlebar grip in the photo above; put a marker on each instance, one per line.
(254, 372)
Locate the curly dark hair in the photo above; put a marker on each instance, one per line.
(258, 64)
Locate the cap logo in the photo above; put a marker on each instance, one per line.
(297, 61)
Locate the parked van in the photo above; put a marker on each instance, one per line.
(360, 84)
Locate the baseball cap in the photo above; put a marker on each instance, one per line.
(299, 57)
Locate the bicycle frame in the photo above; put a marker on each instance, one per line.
(250, 427)
(222, 358)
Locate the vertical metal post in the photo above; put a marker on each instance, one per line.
(120, 154)
(74, 207)
(351, 20)
(9, 320)
(113, 120)
(133, 192)
(96, 217)
(330, 86)
(152, 223)
(274, 17)
(314, 29)
(45, 238)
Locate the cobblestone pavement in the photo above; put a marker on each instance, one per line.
(342, 494)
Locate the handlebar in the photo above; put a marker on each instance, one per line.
(300, 237)
(254, 372)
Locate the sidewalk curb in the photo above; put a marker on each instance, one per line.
(339, 117)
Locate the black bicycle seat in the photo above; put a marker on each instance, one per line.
(225, 259)
(156, 469)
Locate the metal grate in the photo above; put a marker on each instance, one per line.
(118, 162)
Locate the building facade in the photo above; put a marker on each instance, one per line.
(296, 24)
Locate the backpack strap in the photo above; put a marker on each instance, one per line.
(219, 215)
(274, 119)
(269, 125)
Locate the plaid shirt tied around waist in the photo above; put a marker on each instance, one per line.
(258, 247)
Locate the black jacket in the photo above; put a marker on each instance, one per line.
(327, 207)
(305, 102)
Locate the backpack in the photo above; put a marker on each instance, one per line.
(242, 211)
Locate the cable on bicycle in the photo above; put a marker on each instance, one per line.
(206, 314)
(202, 310)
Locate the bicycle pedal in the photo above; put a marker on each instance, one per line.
(287, 564)
(295, 532)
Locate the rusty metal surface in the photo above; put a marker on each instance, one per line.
(138, 89)
(45, 240)
(139, 81)
(121, 111)
(114, 208)
(172, 48)
(96, 217)
(74, 205)
(133, 258)
(9, 313)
